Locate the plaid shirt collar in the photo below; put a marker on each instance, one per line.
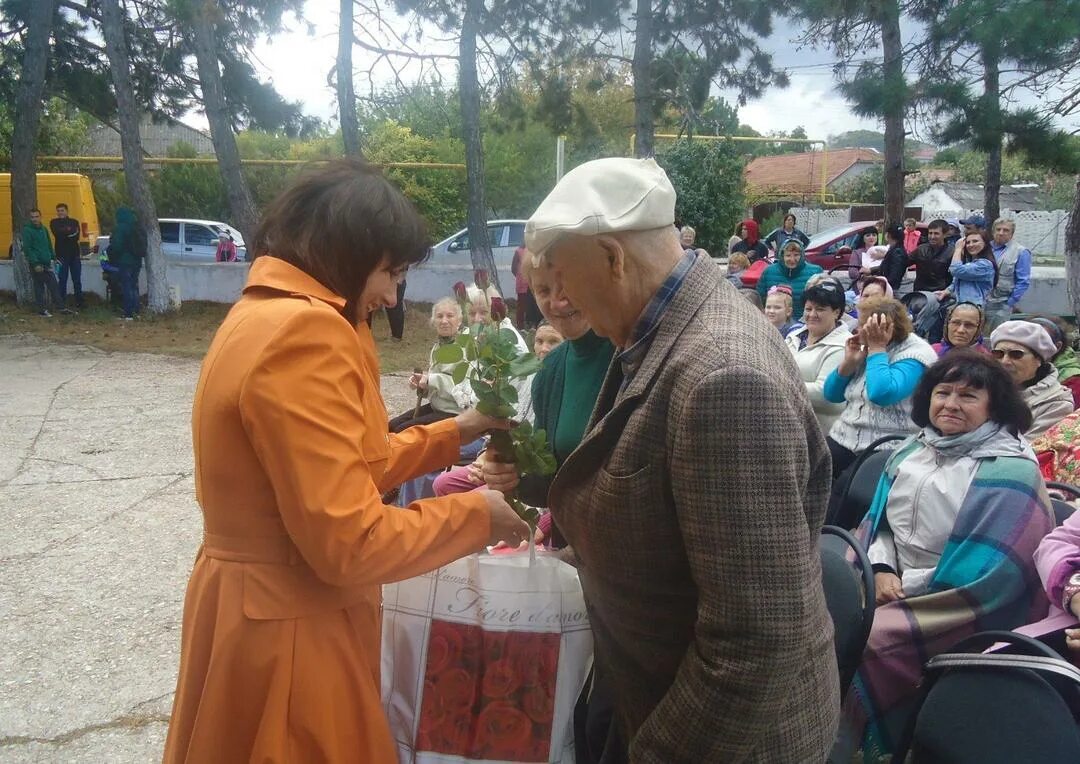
(641, 337)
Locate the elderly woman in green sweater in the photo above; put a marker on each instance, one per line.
(564, 393)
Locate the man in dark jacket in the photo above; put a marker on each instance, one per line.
(895, 263)
(65, 231)
(38, 249)
(124, 246)
(932, 260)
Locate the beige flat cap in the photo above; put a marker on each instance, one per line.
(603, 196)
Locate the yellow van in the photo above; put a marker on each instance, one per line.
(53, 188)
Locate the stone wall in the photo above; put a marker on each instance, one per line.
(223, 282)
(211, 282)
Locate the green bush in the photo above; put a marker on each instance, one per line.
(708, 178)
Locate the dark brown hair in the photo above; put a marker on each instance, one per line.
(337, 222)
(983, 372)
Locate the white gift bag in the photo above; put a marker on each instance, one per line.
(483, 660)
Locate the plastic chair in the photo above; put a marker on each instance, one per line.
(997, 707)
(850, 596)
(1063, 509)
(865, 472)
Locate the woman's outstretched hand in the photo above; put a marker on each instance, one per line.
(472, 424)
(506, 526)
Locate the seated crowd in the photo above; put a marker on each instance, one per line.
(979, 410)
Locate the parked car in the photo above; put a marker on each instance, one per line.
(833, 246)
(190, 241)
(195, 241)
(505, 236)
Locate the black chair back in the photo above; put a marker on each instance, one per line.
(864, 474)
(1014, 705)
(1063, 509)
(850, 597)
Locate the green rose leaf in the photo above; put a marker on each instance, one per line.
(447, 354)
(501, 410)
(459, 372)
(509, 336)
(524, 365)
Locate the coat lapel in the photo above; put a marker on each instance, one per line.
(614, 406)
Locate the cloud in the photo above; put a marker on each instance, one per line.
(811, 101)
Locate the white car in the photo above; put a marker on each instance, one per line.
(505, 237)
(195, 241)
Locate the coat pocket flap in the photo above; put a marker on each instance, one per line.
(274, 592)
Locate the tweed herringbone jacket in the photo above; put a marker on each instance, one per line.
(694, 504)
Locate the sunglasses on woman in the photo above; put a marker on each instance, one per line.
(1015, 355)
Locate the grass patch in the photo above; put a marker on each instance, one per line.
(188, 332)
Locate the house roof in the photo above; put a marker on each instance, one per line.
(801, 173)
(970, 195)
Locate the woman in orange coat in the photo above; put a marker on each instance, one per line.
(280, 647)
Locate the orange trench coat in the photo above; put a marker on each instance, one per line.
(280, 647)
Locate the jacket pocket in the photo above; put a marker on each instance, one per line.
(273, 592)
(621, 483)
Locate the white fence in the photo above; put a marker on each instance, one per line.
(1040, 231)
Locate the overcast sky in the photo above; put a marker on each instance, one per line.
(298, 61)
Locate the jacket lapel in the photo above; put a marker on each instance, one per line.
(615, 405)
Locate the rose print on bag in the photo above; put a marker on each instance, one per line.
(488, 694)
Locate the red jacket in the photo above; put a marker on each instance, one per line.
(911, 240)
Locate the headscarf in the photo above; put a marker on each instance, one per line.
(880, 280)
(752, 232)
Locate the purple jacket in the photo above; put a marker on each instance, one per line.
(1057, 558)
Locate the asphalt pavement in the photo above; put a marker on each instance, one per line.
(100, 528)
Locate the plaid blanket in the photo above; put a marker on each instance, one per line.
(986, 579)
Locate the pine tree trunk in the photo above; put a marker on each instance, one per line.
(346, 95)
(116, 48)
(992, 115)
(1072, 252)
(641, 67)
(894, 113)
(28, 106)
(469, 87)
(241, 204)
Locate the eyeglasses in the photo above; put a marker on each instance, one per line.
(964, 325)
(1015, 355)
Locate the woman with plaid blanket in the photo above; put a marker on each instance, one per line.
(951, 533)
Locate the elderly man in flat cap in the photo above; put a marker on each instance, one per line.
(694, 502)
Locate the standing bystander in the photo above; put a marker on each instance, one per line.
(38, 249)
(65, 231)
(1014, 274)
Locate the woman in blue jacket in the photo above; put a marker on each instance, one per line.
(973, 269)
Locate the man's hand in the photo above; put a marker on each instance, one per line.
(499, 475)
(475, 471)
(888, 588)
